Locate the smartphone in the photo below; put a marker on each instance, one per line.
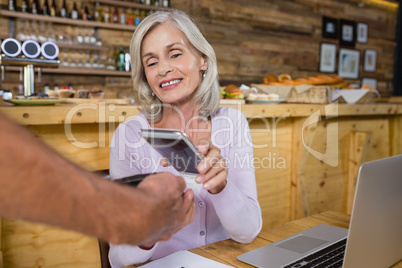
(133, 180)
(176, 146)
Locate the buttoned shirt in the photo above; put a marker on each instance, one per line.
(233, 213)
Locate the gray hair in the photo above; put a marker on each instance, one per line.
(207, 96)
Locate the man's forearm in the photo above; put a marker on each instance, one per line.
(38, 185)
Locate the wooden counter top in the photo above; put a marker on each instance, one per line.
(102, 113)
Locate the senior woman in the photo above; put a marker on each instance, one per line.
(175, 83)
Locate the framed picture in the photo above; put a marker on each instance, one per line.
(372, 82)
(370, 60)
(362, 32)
(349, 62)
(329, 27)
(327, 57)
(348, 33)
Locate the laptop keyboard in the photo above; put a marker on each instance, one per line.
(331, 256)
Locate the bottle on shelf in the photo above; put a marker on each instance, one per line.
(121, 59)
(127, 61)
(97, 12)
(35, 7)
(87, 38)
(157, 3)
(111, 60)
(166, 3)
(106, 15)
(137, 17)
(143, 14)
(11, 5)
(93, 38)
(53, 9)
(130, 19)
(148, 2)
(24, 6)
(74, 11)
(46, 8)
(63, 10)
(86, 15)
(123, 16)
(46, 88)
(115, 15)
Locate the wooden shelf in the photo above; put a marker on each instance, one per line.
(95, 24)
(87, 71)
(83, 47)
(77, 71)
(128, 4)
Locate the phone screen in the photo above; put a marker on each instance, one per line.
(182, 154)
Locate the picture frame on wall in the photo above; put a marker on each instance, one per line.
(327, 58)
(329, 27)
(349, 63)
(362, 32)
(370, 60)
(372, 82)
(348, 33)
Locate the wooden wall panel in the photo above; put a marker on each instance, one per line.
(283, 36)
(257, 37)
(323, 185)
(272, 159)
(87, 144)
(26, 244)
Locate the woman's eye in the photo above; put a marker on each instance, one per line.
(175, 55)
(151, 63)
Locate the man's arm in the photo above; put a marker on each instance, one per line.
(37, 184)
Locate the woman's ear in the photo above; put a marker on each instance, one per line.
(204, 63)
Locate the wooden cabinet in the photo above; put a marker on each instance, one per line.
(306, 158)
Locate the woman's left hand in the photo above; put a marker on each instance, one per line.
(212, 169)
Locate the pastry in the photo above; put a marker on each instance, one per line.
(263, 96)
(273, 96)
(270, 78)
(252, 96)
(284, 77)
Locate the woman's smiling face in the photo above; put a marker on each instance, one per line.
(172, 66)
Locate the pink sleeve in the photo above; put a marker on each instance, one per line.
(237, 206)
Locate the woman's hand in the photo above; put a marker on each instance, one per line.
(213, 170)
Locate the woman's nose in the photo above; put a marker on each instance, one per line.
(164, 67)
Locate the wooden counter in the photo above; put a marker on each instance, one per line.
(306, 156)
(227, 251)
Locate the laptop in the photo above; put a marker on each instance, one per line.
(374, 238)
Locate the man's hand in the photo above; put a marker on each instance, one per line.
(169, 209)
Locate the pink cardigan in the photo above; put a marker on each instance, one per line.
(233, 213)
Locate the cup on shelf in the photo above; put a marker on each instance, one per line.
(83, 93)
(11, 47)
(96, 94)
(65, 93)
(31, 49)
